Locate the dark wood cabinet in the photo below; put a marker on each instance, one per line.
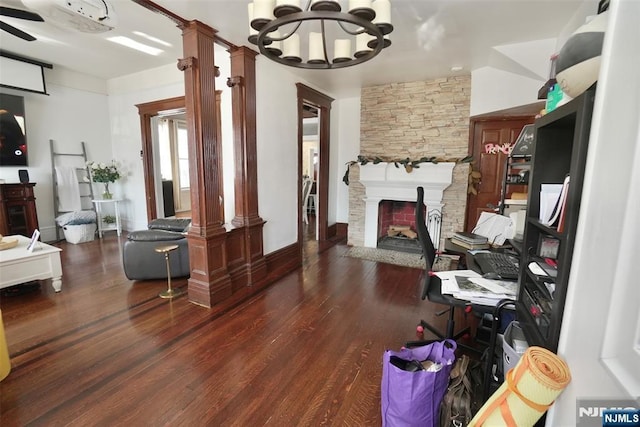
(17, 209)
(562, 139)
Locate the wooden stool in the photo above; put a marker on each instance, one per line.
(169, 293)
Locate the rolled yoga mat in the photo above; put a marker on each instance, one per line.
(528, 391)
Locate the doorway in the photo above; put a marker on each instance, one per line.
(310, 170)
(313, 103)
(489, 144)
(149, 113)
(173, 150)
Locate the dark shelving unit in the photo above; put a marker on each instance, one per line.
(562, 139)
(513, 180)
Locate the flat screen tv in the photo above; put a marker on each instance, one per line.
(13, 139)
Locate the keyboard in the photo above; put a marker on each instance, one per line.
(504, 265)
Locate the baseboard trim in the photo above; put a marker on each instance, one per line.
(283, 261)
(342, 229)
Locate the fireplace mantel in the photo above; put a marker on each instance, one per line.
(385, 181)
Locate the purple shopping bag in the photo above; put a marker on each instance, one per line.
(411, 396)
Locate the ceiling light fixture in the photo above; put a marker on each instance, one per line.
(126, 41)
(151, 38)
(275, 25)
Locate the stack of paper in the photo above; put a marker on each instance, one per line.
(470, 286)
(496, 228)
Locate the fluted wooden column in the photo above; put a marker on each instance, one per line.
(209, 282)
(243, 92)
(219, 138)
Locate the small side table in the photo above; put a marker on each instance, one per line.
(99, 203)
(170, 292)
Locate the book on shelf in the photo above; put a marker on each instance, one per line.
(468, 245)
(563, 212)
(470, 237)
(549, 194)
(550, 212)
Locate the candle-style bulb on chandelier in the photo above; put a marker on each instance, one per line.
(332, 37)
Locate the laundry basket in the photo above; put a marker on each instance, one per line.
(79, 233)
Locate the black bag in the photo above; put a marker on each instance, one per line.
(461, 401)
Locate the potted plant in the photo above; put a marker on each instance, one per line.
(104, 173)
(109, 219)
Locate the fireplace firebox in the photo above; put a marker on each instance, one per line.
(386, 182)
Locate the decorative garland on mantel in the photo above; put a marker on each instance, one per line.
(408, 164)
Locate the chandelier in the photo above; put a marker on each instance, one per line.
(276, 27)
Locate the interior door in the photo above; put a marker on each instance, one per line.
(492, 139)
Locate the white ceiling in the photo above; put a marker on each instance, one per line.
(429, 38)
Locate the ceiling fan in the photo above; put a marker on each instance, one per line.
(19, 14)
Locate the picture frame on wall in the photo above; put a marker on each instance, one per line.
(13, 149)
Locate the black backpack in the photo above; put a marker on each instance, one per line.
(462, 399)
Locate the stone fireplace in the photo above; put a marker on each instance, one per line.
(385, 181)
(412, 120)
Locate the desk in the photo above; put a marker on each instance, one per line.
(99, 203)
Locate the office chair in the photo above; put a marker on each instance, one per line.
(432, 286)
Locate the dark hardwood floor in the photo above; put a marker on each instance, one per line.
(108, 351)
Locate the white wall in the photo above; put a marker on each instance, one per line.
(111, 127)
(346, 134)
(515, 72)
(68, 116)
(153, 85)
(493, 89)
(277, 152)
(65, 77)
(583, 10)
(125, 93)
(602, 266)
(512, 77)
(277, 142)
